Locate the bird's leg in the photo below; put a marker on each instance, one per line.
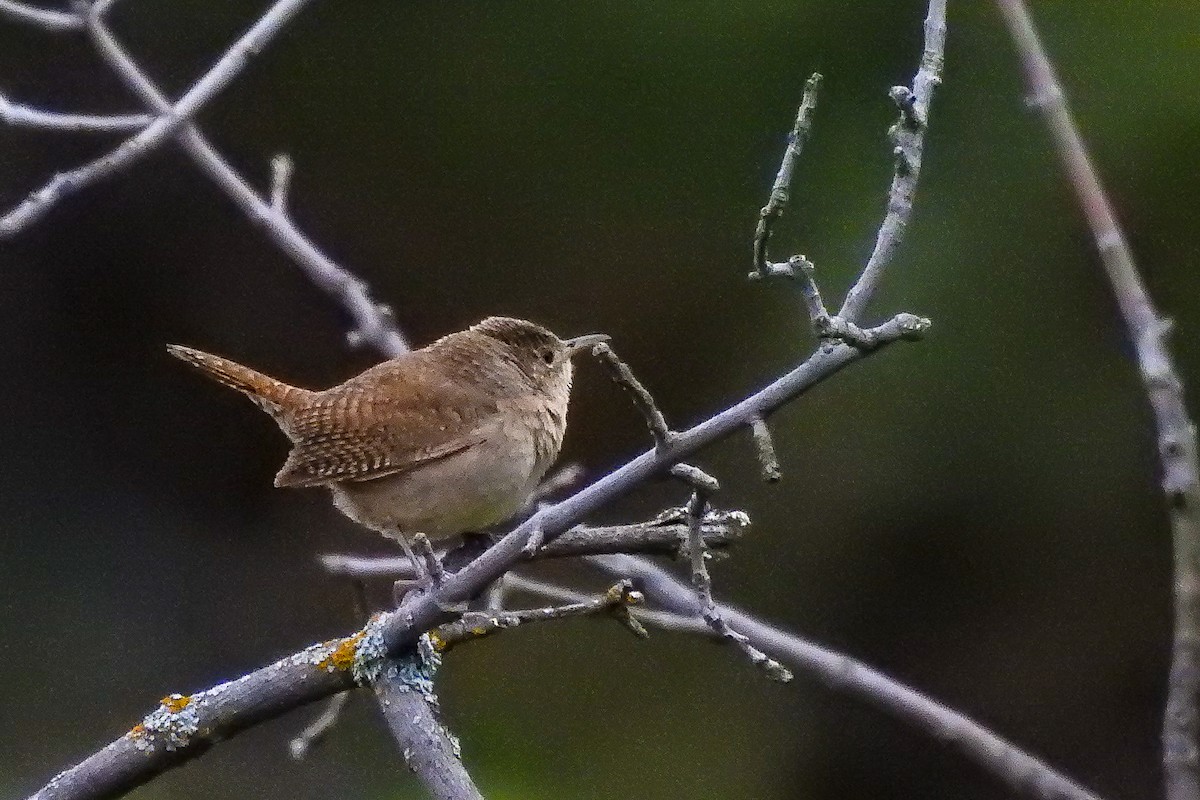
(430, 572)
(433, 567)
(424, 578)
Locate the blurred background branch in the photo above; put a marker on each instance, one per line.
(1164, 389)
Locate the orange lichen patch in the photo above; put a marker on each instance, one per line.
(438, 643)
(137, 731)
(341, 657)
(175, 702)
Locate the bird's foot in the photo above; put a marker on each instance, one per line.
(430, 574)
(536, 539)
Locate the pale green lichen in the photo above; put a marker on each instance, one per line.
(370, 654)
(415, 672)
(170, 726)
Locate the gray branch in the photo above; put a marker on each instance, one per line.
(662, 538)
(908, 138)
(169, 120)
(1020, 770)
(374, 323)
(1176, 433)
(24, 116)
(780, 190)
(52, 21)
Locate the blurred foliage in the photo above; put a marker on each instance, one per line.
(977, 514)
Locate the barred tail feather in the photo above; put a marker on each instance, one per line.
(272, 395)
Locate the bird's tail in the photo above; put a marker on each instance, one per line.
(271, 395)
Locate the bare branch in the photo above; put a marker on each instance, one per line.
(422, 612)
(24, 116)
(479, 624)
(702, 583)
(374, 323)
(233, 61)
(1020, 770)
(1176, 433)
(622, 374)
(720, 529)
(908, 138)
(52, 21)
(783, 179)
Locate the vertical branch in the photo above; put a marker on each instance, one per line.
(430, 751)
(780, 190)
(1176, 433)
(908, 137)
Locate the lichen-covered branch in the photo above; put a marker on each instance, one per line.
(1176, 433)
(403, 688)
(185, 726)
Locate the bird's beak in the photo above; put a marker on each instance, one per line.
(585, 342)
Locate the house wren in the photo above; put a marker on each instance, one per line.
(450, 438)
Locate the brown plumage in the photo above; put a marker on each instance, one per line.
(450, 438)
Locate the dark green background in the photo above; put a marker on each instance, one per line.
(977, 515)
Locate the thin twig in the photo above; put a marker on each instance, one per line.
(783, 178)
(479, 624)
(19, 115)
(702, 584)
(1022, 771)
(373, 323)
(562, 479)
(1175, 431)
(622, 374)
(908, 139)
(720, 529)
(316, 731)
(765, 449)
(233, 61)
(824, 324)
(52, 21)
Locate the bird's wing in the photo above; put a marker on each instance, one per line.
(388, 420)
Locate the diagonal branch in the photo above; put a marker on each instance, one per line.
(374, 323)
(164, 126)
(1176, 433)
(1020, 770)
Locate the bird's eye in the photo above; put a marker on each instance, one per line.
(548, 356)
